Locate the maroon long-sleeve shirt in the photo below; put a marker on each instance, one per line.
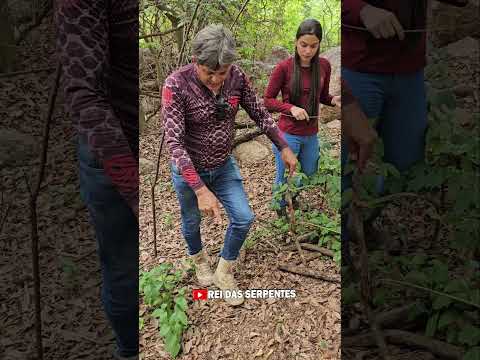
(196, 139)
(362, 52)
(280, 82)
(98, 49)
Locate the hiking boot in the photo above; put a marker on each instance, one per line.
(224, 280)
(202, 268)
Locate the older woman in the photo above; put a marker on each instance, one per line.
(200, 102)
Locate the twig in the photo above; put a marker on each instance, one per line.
(161, 33)
(247, 137)
(291, 219)
(275, 247)
(239, 14)
(308, 273)
(152, 195)
(24, 72)
(400, 337)
(319, 249)
(243, 126)
(46, 130)
(180, 57)
(366, 291)
(33, 213)
(310, 117)
(453, 297)
(410, 30)
(395, 316)
(306, 237)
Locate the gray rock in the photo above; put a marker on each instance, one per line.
(251, 152)
(16, 148)
(467, 47)
(263, 66)
(333, 56)
(454, 23)
(278, 54)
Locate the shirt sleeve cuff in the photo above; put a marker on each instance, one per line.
(282, 143)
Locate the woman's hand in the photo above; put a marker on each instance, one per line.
(289, 160)
(359, 134)
(381, 23)
(208, 203)
(299, 113)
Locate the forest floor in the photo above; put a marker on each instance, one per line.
(411, 224)
(74, 324)
(307, 327)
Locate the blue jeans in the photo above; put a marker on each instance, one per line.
(399, 102)
(116, 230)
(225, 182)
(307, 150)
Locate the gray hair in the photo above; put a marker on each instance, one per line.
(214, 46)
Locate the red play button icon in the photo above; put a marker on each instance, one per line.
(200, 294)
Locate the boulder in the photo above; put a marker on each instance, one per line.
(455, 23)
(333, 55)
(467, 47)
(278, 54)
(251, 152)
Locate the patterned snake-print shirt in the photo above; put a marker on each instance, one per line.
(196, 139)
(97, 44)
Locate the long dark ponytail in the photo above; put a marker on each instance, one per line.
(307, 27)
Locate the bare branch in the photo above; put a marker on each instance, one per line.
(161, 33)
(26, 72)
(239, 14)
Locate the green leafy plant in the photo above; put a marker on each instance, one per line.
(167, 220)
(71, 274)
(450, 176)
(325, 223)
(169, 306)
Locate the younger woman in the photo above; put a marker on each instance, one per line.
(303, 80)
